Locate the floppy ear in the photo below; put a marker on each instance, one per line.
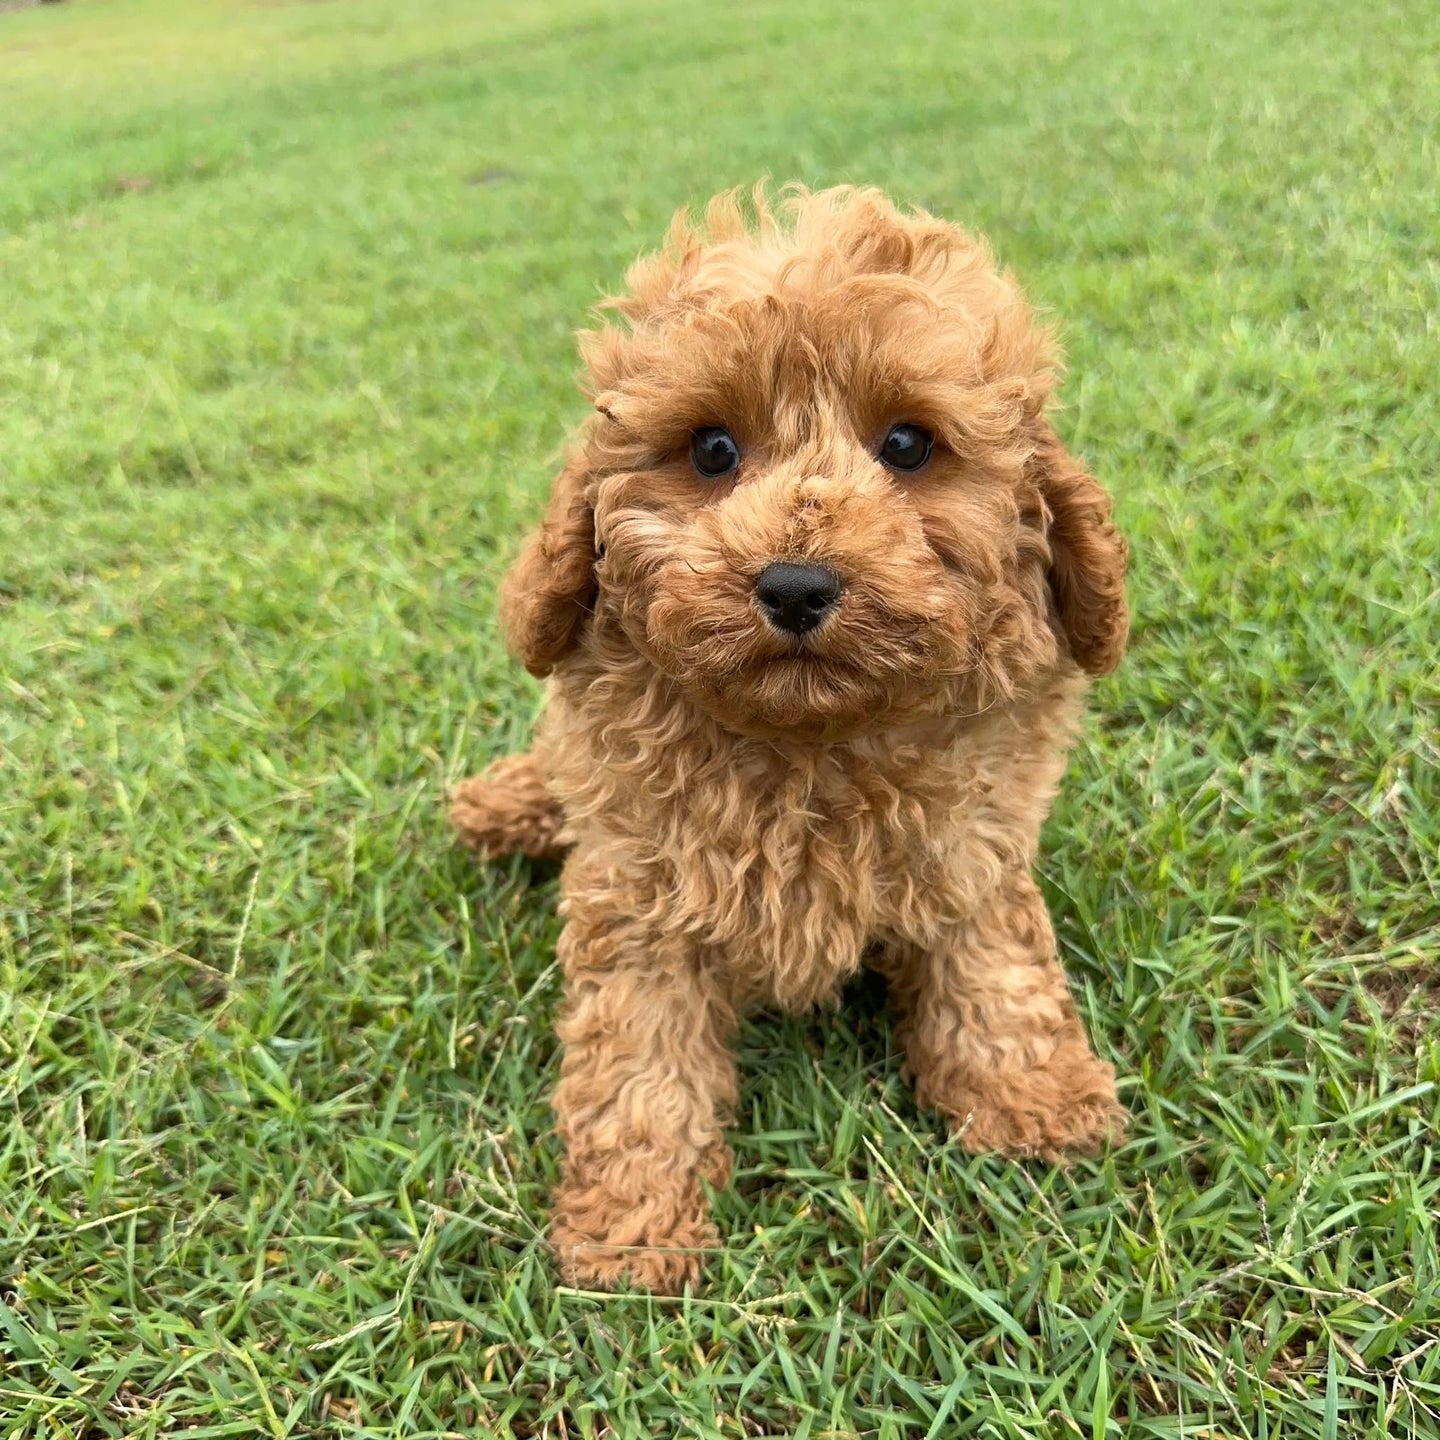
(1087, 555)
(551, 586)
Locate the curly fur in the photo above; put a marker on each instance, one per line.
(750, 815)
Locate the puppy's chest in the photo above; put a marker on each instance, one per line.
(785, 876)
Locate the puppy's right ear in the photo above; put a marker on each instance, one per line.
(551, 586)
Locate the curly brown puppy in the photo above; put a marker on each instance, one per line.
(817, 591)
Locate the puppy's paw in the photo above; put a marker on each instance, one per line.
(473, 816)
(598, 1250)
(1066, 1106)
(508, 810)
(588, 1265)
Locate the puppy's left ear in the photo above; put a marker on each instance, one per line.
(550, 588)
(1087, 555)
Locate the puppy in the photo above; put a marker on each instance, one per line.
(817, 593)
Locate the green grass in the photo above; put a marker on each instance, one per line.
(286, 299)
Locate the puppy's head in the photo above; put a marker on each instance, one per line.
(819, 491)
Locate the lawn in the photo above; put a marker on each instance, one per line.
(286, 302)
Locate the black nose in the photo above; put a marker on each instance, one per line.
(797, 597)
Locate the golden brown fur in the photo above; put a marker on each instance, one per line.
(753, 813)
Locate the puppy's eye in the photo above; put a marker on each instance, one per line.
(713, 451)
(906, 447)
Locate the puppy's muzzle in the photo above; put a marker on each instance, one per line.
(796, 598)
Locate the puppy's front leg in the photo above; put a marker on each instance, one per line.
(992, 1038)
(646, 1084)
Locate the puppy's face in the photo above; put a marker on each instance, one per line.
(799, 525)
(815, 483)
